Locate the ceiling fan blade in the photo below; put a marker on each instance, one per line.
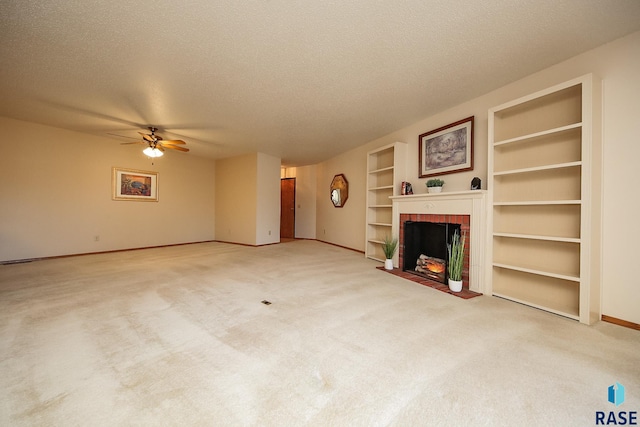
(174, 141)
(175, 147)
(122, 136)
(129, 143)
(147, 137)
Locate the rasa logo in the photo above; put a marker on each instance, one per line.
(615, 395)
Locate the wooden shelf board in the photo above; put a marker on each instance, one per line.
(538, 237)
(538, 272)
(389, 168)
(538, 306)
(381, 224)
(539, 168)
(538, 202)
(385, 187)
(538, 134)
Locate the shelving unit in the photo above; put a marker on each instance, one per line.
(544, 169)
(386, 169)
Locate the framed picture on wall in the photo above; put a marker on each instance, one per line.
(447, 149)
(131, 184)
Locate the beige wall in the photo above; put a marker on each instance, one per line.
(236, 199)
(618, 65)
(268, 205)
(620, 68)
(306, 181)
(248, 199)
(342, 226)
(55, 195)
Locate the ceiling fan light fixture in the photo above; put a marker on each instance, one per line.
(152, 152)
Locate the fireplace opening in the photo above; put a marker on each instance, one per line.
(425, 248)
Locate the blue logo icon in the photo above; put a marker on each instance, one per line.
(616, 394)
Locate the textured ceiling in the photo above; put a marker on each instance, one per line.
(301, 80)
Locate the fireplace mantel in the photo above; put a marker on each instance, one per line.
(470, 203)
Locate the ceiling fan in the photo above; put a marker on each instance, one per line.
(156, 144)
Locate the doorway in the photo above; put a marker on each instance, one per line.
(287, 208)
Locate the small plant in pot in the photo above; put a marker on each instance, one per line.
(389, 246)
(434, 185)
(456, 261)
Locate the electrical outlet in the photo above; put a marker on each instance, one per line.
(269, 232)
(96, 238)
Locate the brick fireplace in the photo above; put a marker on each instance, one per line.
(466, 208)
(462, 220)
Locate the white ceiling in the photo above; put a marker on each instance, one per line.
(301, 80)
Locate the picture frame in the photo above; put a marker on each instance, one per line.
(447, 149)
(133, 184)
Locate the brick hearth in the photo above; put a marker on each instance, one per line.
(465, 293)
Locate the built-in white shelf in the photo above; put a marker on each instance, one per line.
(386, 169)
(543, 177)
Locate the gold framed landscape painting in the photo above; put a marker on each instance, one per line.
(137, 185)
(447, 149)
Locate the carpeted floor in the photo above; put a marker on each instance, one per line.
(180, 336)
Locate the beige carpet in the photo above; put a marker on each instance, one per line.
(179, 336)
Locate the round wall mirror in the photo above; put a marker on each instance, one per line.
(339, 191)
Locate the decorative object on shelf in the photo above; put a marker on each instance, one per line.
(446, 149)
(456, 261)
(339, 190)
(476, 184)
(406, 188)
(434, 185)
(389, 246)
(131, 184)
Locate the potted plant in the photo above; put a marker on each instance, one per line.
(434, 185)
(389, 246)
(456, 261)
